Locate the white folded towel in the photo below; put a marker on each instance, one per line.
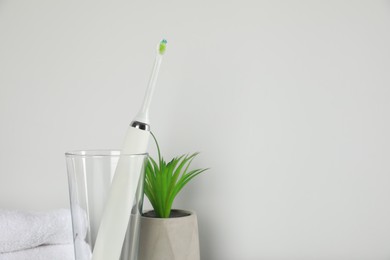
(24, 230)
(49, 252)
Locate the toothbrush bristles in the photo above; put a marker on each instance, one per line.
(162, 47)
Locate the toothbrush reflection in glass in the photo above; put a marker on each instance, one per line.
(120, 200)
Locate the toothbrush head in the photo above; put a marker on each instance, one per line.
(162, 47)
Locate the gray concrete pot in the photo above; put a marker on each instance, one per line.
(173, 238)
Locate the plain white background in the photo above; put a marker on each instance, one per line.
(287, 101)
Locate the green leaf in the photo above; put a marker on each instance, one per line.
(178, 171)
(183, 181)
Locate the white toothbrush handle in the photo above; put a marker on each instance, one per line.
(121, 198)
(136, 140)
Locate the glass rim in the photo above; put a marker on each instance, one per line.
(102, 153)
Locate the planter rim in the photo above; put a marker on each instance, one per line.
(191, 213)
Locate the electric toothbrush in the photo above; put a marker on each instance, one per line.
(120, 200)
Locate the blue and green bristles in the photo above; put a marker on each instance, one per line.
(162, 47)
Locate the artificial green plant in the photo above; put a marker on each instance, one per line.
(163, 181)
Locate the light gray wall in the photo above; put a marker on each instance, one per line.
(288, 101)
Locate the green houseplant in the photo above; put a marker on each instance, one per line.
(166, 233)
(163, 181)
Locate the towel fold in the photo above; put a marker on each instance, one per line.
(49, 252)
(25, 230)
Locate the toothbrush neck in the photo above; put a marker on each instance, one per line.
(142, 117)
(151, 86)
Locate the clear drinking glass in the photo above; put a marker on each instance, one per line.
(90, 174)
